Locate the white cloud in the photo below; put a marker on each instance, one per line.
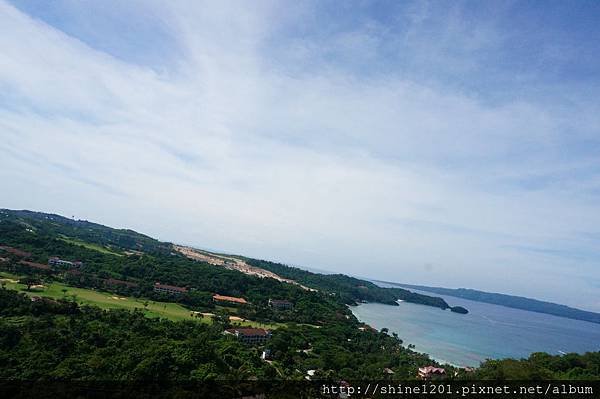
(375, 175)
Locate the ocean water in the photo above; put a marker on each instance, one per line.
(488, 331)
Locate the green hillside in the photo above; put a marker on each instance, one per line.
(103, 320)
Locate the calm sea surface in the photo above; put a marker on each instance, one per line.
(488, 331)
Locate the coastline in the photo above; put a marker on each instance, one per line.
(434, 358)
(488, 332)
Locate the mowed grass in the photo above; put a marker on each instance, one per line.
(256, 324)
(104, 300)
(94, 247)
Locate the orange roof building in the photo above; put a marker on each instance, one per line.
(231, 299)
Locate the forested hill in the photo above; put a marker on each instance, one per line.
(98, 317)
(65, 231)
(351, 289)
(86, 231)
(517, 302)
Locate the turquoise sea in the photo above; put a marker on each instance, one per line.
(488, 331)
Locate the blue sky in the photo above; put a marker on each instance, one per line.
(438, 143)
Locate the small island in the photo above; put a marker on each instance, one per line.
(459, 309)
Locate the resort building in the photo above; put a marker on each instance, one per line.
(229, 299)
(252, 336)
(431, 372)
(56, 261)
(169, 289)
(280, 304)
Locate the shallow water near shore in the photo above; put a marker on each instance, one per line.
(488, 331)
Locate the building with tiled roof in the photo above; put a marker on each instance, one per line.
(230, 299)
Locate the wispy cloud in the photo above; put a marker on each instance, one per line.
(370, 139)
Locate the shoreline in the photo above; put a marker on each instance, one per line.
(436, 359)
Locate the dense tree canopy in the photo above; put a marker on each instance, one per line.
(41, 338)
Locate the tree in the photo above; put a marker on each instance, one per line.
(29, 282)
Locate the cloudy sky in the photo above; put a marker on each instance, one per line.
(445, 143)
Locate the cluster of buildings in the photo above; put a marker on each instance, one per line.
(247, 335)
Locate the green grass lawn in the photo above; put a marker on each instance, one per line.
(94, 247)
(256, 324)
(105, 300)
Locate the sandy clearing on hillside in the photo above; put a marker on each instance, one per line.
(232, 263)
